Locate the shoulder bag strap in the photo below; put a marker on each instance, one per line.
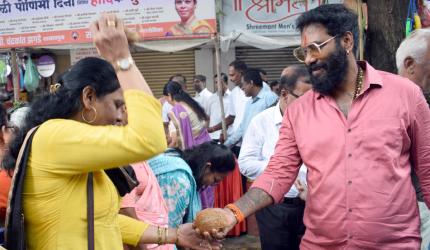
(90, 211)
(15, 233)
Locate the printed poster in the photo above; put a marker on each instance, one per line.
(265, 17)
(31, 23)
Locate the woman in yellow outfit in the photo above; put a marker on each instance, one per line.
(77, 135)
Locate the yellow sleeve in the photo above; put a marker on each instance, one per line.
(71, 147)
(131, 229)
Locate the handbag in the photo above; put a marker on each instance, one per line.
(124, 179)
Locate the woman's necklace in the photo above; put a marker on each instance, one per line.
(358, 83)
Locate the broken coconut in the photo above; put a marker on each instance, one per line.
(210, 219)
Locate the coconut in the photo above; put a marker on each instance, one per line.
(132, 36)
(211, 219)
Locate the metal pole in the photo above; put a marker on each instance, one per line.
(220, 94)
(15, 75)
(360, 29)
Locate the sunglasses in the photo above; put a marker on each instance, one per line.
(313, 49)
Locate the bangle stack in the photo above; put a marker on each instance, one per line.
(162, 233)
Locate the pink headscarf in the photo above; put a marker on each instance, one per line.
(147, 200)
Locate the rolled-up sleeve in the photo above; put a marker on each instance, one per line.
(283, 166)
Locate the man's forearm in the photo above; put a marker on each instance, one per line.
(228, 121)
(253, 200)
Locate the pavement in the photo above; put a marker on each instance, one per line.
(244, 242)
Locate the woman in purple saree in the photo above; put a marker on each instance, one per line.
(187, 127)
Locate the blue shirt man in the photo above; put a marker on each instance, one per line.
(261, 99)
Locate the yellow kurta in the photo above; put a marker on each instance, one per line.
(63, 152)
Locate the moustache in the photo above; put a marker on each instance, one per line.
(317, 66)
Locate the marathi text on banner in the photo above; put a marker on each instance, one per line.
(25, 23)
(265, 17)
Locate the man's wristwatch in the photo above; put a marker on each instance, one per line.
(124, 64)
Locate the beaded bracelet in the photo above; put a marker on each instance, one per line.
(236, 211)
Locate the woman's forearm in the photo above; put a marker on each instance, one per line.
(133, 79)
(156, 235)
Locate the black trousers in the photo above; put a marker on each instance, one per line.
(281, 226)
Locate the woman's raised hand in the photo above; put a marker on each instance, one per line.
(110, 38)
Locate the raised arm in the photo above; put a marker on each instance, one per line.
(103, 147)
(110, 39)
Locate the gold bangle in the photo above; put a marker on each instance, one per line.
(159, 236)
(166, 233)
(177, 236)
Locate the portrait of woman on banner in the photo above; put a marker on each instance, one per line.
(189, 23)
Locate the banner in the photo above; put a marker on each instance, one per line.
(30, 23)
(265, 17)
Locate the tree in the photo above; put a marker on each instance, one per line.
(386, 30)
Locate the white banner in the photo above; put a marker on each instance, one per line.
(33, 23)
(265, 17)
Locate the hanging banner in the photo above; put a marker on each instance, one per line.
(29, 23)
(265, 17)
(81, 53)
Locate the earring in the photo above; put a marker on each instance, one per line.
(92, 120)
(347, 52)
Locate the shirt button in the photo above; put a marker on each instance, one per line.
(349, 130)
(350, 210)
(349, 155)
(349, 182)
(350, 236)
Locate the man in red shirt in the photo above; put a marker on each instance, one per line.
(360, 132)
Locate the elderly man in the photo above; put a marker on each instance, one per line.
(413, 62)
(359, 132)
(280, 226)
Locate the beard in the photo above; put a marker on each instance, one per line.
(334, 72)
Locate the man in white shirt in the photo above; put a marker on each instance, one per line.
(261, 99)
(237, 103)
(202, 93)
(213, 107)
(281, 226)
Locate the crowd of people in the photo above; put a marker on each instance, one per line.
(337, 152)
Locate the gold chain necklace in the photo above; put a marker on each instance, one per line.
(358, 83)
